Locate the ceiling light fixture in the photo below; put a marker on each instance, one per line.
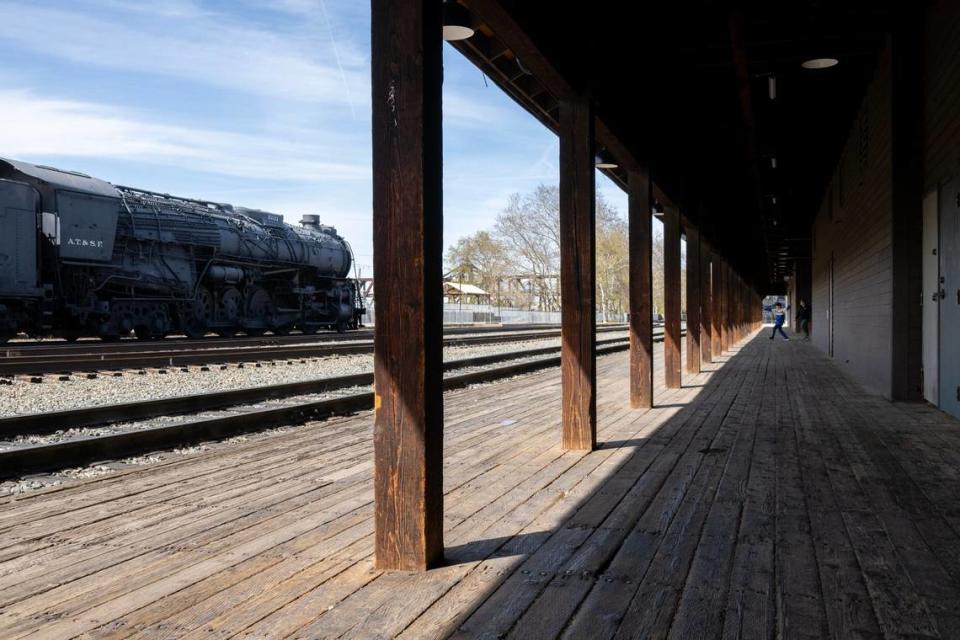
(819, 63)
(457, 24)
(604, 160)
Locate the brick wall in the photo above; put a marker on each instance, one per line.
(853, 229)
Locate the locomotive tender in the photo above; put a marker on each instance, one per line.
(82, 257)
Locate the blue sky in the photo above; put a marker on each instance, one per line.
(260, 104)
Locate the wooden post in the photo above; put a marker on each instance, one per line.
(406, 60)
(739, 308)
(716, 347)
(728, 285)
(724, 327)
(671, 297)
(740, 331)
(693, 300)
(577, 274)
(640, 200)
(706, 289)
(736, 308)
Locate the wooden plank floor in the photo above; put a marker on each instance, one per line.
(770, 497)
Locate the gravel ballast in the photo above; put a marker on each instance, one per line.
(22, 396)
(43, 481)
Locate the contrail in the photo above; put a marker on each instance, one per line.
(336, 55)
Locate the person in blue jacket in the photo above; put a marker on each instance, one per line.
(779, 315)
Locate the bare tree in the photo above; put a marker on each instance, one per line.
(522, 253)
(529, 228)
(479, 259)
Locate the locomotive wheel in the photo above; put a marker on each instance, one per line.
(259, 309)
(309, 329)
(229, 311)
(199, 314)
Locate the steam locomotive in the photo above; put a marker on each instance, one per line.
(82, 257)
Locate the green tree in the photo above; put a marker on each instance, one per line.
(479, 259)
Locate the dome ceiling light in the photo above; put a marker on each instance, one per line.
(820, 63)
(457, 24)
(604, 160)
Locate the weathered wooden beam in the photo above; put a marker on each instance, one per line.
(578, 273)
(735, 309)
(739, 307)
(706, 301)
(733, 305)
(722, 304)
(406, 60)
(671, 297)
(693, 299)
(716, 307)
(727, 306)
(640, 218)
(499, 21)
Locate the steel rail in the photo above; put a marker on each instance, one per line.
(158, 356)
(50, 422)
(55, 346)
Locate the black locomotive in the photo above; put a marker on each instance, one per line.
(82, 257)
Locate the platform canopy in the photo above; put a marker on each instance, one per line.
(713, 95)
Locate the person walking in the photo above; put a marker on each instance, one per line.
(803, 319)
(779, 315)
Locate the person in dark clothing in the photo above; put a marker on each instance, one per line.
(779, 315)
(803, 319)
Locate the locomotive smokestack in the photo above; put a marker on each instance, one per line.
(310, 221)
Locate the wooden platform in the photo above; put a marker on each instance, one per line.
(768, 498)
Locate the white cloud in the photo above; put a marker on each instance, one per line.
(180, 40)
(54, 127)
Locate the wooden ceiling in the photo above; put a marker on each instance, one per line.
(685, 86)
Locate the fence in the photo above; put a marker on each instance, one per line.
(454, 313)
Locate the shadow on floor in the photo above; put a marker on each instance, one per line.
(778, 496)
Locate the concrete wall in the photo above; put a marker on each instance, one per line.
(853, 229)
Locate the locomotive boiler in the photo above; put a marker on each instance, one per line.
(82, 257)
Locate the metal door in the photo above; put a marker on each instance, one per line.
(931, 297)
(950, 297)
(18, 239)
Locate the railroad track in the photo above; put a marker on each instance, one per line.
(75, 451)
(94, 356)
(56, 345)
